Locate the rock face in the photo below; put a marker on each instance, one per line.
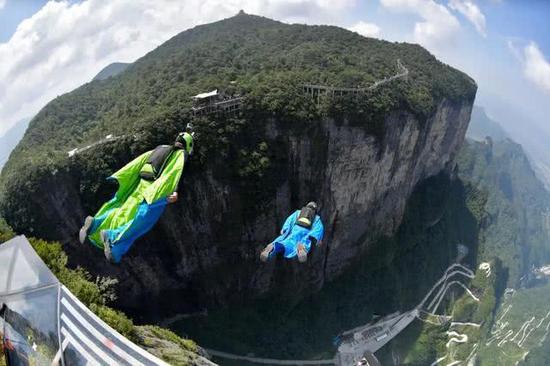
(204, 252)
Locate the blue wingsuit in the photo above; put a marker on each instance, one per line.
(292, 234)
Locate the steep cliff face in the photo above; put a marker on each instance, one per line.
(204, 251)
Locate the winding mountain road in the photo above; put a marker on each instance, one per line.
(372, 337)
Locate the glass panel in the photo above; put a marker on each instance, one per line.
(23, 274)
(31, 336)
(6, 256)
(24, 270)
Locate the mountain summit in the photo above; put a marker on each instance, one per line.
(111, 70)
(253, 55)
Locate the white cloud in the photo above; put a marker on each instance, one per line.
(513, 46)
(65, 44)
(472, 12)
(2, 4)
(438, 26)
(365, 29)
(536, 67)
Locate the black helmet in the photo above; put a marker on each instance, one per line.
(312, 205)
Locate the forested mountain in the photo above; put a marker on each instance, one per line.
(482, 126)
(268, 61)
(11, 138)
(524, 131)
(516, 226)
(111, 70)
(496, 207)
(409, 128)
(509, 319)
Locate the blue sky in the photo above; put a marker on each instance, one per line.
(495, 61)
(13, 13)
(59, 45)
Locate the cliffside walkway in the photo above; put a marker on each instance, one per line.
(315, 90)
(109, 138)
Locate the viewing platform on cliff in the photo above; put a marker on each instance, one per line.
(215, 102)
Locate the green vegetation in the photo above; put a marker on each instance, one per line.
(6, 233)
(423, 342)
(111, 70)
(98, 293)
(426, 341)
(254, 163)
(526, 307)
(171, 336)
(539, 355)
(167, 345)
(514, 228)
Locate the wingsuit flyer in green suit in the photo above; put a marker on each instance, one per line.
(146, 185)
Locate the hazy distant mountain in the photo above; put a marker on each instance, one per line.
(481, 126)
(543, 171)
(11, 139)
(111, 70)
(520, 128)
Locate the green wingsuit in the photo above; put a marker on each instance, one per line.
(139, 202)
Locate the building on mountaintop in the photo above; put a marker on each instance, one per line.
(215, 102)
